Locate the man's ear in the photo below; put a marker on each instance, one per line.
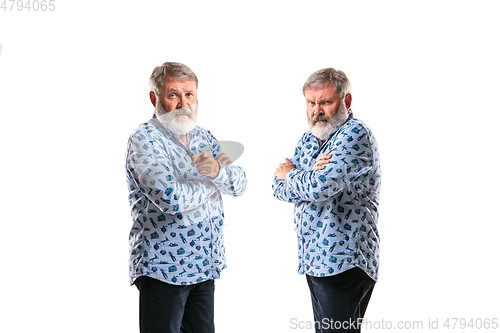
(348, 100)
(152, 97)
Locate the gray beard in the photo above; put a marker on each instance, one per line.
(178, 125)
(323, 129)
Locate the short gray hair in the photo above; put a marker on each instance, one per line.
(327, 76)
(173, 71)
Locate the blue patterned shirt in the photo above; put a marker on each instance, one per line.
(336, 209)
(176, 236)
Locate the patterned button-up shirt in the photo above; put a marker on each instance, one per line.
(336, 208)
(176, 236)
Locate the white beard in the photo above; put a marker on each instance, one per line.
(176, 123)
(323, 129)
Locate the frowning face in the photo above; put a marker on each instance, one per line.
(325, 110)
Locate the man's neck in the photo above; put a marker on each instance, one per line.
(183, 138)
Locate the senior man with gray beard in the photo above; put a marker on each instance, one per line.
(333, 179)
(176, 173)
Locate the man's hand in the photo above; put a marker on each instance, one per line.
(206, 164)
(223, 159)
(323, 159)
(283, 169)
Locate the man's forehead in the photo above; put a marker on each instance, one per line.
(326, 91)
(170, 84)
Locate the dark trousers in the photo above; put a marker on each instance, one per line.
(340, 301)
(167, 308)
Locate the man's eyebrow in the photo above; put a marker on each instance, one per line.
(177, 90)
(324, 99)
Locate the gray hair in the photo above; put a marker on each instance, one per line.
(173, 71)
(327, 76)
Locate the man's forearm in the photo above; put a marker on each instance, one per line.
(174, 197)
(283, 193)
(231, 180)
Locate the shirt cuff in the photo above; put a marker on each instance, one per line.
(221, 177)
(291, 173)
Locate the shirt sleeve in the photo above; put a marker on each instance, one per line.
(156, 177)
(352, 157)
(280, 190)
(231, 179)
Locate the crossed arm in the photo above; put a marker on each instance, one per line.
(152, 173)
(229, 179)
(350, 157)
(286, 166)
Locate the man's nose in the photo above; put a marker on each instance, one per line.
(317, 109)
(183, 102)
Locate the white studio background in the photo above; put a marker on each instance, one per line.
(73, 86)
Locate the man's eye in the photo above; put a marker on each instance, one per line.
(189, 95)
(311, 103)
(171, 96)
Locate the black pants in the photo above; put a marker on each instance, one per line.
(167, 308)
(340, 301)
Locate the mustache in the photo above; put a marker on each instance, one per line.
(183, 111)
(320, 117)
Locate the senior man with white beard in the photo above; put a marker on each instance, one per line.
(176, 174)
(333, 179)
